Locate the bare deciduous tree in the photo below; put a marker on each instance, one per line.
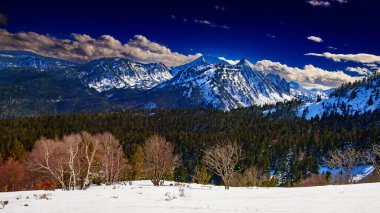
(159, 159)
(88, 149)
(345, 161)
(71, 161)
(111, 157)
(375, 158)
(71, 145)
(222, 160)
(47, 157)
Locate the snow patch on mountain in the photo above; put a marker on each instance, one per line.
(120, 73)
(203, 60)
(361, 98)
(232, 62)
(308, 95)
(23, 59)
(225, 86)
(212, 82)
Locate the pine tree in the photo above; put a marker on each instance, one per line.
(370, 101)
(17, 151)
(180, 174)
(138, 163)
(201, 176)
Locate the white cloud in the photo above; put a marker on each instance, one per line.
(308, 77)
(319, 3)
(210, 24)
(359, 70)
(82, 47)
(360, 58)
(315, 39)
(324, 3)
(372, 66)
(331, 47)
(203, 22)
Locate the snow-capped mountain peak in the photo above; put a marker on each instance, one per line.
(208, 81)
(225, 86)
(202, 60)
(120, 73)
(213, 60)
(245, 62)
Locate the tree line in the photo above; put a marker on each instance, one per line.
(290, 149)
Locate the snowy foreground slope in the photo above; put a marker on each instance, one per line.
(143, 197)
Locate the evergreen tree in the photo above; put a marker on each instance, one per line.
(138, 163)
(370, 101)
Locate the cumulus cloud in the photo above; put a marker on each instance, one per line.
(359, 58)
(3, 19)
(315, 39)
(372, 66)
(308, 77)
(359, 70)
(82, 48)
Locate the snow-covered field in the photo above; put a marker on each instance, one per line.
(142, 196)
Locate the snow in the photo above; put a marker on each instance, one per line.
(14, 58)
(201, 61)
(232, 62)
(359, 172)
(310, 95)
(150, 105)
(6, 56)
(119, 73)
(358, 103)
(225, 86)
(142, 196)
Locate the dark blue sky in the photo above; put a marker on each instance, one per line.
(257, 29)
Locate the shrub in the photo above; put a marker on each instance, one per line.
(251, 177)
(12, 176)
(315, 180)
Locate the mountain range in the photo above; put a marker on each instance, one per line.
(32, 84)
